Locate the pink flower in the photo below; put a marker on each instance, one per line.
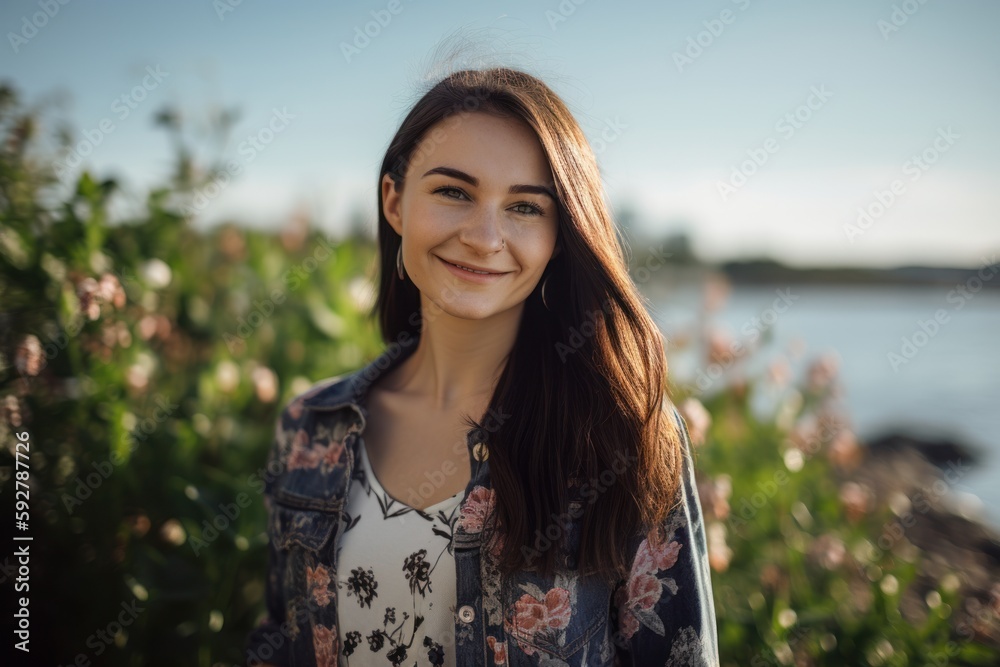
(532, 615)
(719, 553)
(87, 293)
(265, 383)
(332, 452)
(644, 589)
(720, 349)
(828, 550)
(641, 593)
(822, 372)
(857, 500)
(628, 625)
(28, 358)
(303, 458)
(697, 418)
(318, 582)
(295, 408)
(651, 558)
(10, 408)
(110, 290)
(844, 451)
(714, 494)
(325, 647)
(644, 592)
(311, 453)
(779, 372)
(476, 509)
(499, 651)
(301, 439)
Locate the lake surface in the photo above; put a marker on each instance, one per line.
(949, 387)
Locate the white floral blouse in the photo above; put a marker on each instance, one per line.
(396, 578)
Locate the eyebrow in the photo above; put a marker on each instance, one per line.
(474, 182)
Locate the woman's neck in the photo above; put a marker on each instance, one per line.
(457, 360)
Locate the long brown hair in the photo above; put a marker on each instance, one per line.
(585, 381)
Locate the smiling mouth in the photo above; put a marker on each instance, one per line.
(480, 273)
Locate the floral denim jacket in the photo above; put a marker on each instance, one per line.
(663, 614)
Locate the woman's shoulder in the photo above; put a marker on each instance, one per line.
(666, 606)
(328, 392)
(323, 393)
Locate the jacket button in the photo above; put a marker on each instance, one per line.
(466, 613)
(480, 452)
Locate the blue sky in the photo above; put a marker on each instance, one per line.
(881, 93)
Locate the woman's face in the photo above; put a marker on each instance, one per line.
(479, 193)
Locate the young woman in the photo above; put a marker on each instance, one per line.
(508, 483)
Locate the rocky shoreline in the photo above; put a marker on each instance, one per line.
(914, 478)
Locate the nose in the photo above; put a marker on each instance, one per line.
(483, 234)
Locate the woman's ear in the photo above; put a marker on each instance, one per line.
(391, 203)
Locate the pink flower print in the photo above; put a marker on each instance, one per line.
(333, 452)
(497, 545)
(644, 592)
(644, 589)
(325, 647)
(499, 651)
(475, 510)
(301, 439)
(641, 593)
(532, 615)
(628, 624)
(311, 453)
(304, 458)
(318, 583)
(295, 408)
(653, 557)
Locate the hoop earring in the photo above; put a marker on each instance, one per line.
(544, 302)
(399, 263)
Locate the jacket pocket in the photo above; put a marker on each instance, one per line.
(297, 526)
(555, 617)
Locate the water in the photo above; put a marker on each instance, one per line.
(949, 388)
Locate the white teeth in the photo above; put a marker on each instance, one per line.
(471, 270)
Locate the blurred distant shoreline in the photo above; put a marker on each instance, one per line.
(771, 271)
(675, 252)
